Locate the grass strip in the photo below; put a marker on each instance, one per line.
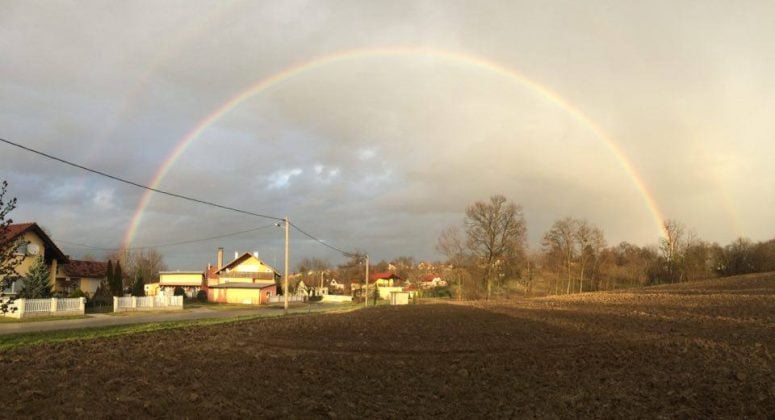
(40, 318)
(13, 341)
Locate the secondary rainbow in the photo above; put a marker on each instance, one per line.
(398, 51)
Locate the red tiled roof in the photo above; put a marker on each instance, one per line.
(429, 277)
(90, 269)
(386, 275)
(18, 229)
(15, 230)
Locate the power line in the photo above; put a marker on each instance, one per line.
(170, 194)
(191, 241)
(145, 187)
(320, 241)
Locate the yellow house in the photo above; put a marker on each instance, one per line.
(246, 280)
(190, 281)
(84, 275)
(151, 289)
(31, 243)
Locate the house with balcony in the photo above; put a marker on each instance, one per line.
(246, 280)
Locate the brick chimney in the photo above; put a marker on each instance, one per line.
(220, 258)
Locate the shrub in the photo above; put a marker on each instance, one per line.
(179, 291)
(77, 293)
(201, 296)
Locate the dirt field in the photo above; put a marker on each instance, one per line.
(689, 351)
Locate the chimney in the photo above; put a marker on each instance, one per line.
(220, 258)
(255, 254)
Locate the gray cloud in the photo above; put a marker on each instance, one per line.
(380, 153)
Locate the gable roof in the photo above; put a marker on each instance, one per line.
(242, 258)
(88, 269)
(17, 229)
(429, 278)
(383, 276)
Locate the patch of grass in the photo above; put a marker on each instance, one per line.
(12, 341)
(218, 306)
(6, 319)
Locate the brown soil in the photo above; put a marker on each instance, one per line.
(691, 351)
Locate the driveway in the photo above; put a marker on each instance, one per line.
(127, 318)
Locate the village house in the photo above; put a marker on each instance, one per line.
(191, 282)
(85, 276)
(33, 243)
(384, 283)
(430, 281)
(246, 280)
(335, 286)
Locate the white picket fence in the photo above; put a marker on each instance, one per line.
(25, 308)
(147, 303)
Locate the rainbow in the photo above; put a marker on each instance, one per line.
(398, 51)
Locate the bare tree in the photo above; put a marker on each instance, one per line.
(312, 269)
(9, 259)
(452, 245)
(496, 233)
(561, 240)
(590, 241)
(144, 264)
(671, 247)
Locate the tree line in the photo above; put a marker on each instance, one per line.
(487, 254)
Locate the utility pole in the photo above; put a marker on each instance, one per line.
(285, 283)
(366, 290)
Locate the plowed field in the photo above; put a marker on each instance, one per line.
(692, 351)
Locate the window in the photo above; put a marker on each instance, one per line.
(21, 248)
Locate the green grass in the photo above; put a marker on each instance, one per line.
(9, 320)
(12, 341)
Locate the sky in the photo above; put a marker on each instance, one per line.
(372, 125)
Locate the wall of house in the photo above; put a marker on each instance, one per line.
(383, 283)
(89, 286)
(29, 260)
(180, 279)
(253, 265)
(24, 267)
(151, 289)
(241, 296)
(384, 292)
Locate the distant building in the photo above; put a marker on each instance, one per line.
(190, 281)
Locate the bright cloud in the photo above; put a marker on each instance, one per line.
(104, 199)
(282, 178)
(367, 154)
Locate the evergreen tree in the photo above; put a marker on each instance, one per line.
(138, 288)
(109, 276)
(36, 282)
(117, 283)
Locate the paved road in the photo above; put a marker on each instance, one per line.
(105, 320)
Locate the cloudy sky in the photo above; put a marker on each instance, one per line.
(373, 125)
